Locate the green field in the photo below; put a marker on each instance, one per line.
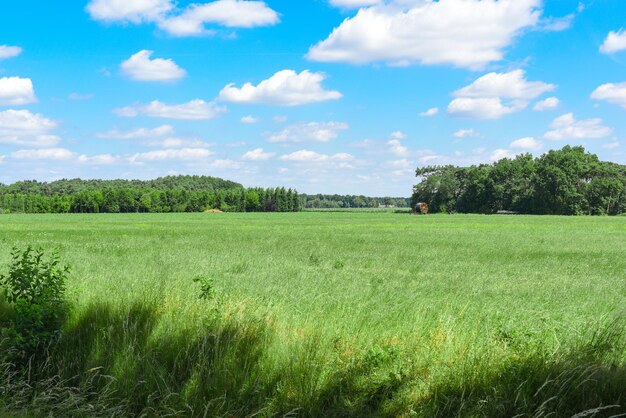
(333, 314)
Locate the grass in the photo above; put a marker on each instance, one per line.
(334, 314)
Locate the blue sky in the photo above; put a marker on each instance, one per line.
(329, 96)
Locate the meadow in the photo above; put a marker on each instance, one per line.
(330, 314)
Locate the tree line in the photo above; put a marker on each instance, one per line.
(335, 201)
(168, 194)
(569, 181)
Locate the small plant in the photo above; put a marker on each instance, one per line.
(207, 287)
(34, 289)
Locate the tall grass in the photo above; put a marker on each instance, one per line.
(330, 315)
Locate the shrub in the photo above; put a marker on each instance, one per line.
(34, 290)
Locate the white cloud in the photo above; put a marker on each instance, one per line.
(526, 143)
(312, 156)
(134, 11)
(229, 13)
(43, 154)
(285, 88)
(21, 127)
(161, 137)
(430, 112)
(80, 96)
(463, 33)
(354, 4)
(483, 99)
(311, 131)
(511, 85)
(280, 119)
(162, 130)
(614, 42)
(140, 67)
(188, 21)
(7, 51)
(611, 92)
(257, 155)
(173, 142)
(557, 24)
(547, 104)
(611, 145)
(16, 91)
(463, 133)
(500, 153)
(398, 135)
(396, 148)
(395, 144)
(567, 127)
(193, 110)
(225, 164)
(100, 159)
(171, 154)
(484, 108)
(249, 119)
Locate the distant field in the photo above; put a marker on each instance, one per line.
(343, 313)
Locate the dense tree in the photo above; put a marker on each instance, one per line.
(569, 181)
(168, 194)
(350, 201)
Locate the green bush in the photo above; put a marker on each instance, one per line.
(34, 290)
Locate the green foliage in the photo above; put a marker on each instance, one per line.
(335, 201)
(569, 181)
(207, 287)
(168, 194)
(34, 288)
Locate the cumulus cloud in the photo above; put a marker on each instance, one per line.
(16, 91)
(354, 4)
(80, 96)
(398, 135)
(526, 143)
(567, 127)
(43, 154)
(484, 108)
(193, 110)
(611, 145)
(396, 148)
(428, 32)
(99, 159)
(21, 127)
(463, 133)
(171, 154)
(611, 92)
(496, 94)
(7, 51)
(312, 156)
(249, 119)
(550, 103)
(159, 131)
(614, 42)
(188, 21)
(395, 144)
(430, 112)
(161, 136)
(285, 88)
(311, 131)
(140, 67)
(133, 11)
(229, 13)
(510, 85)
(500, 154)
(257, 155)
